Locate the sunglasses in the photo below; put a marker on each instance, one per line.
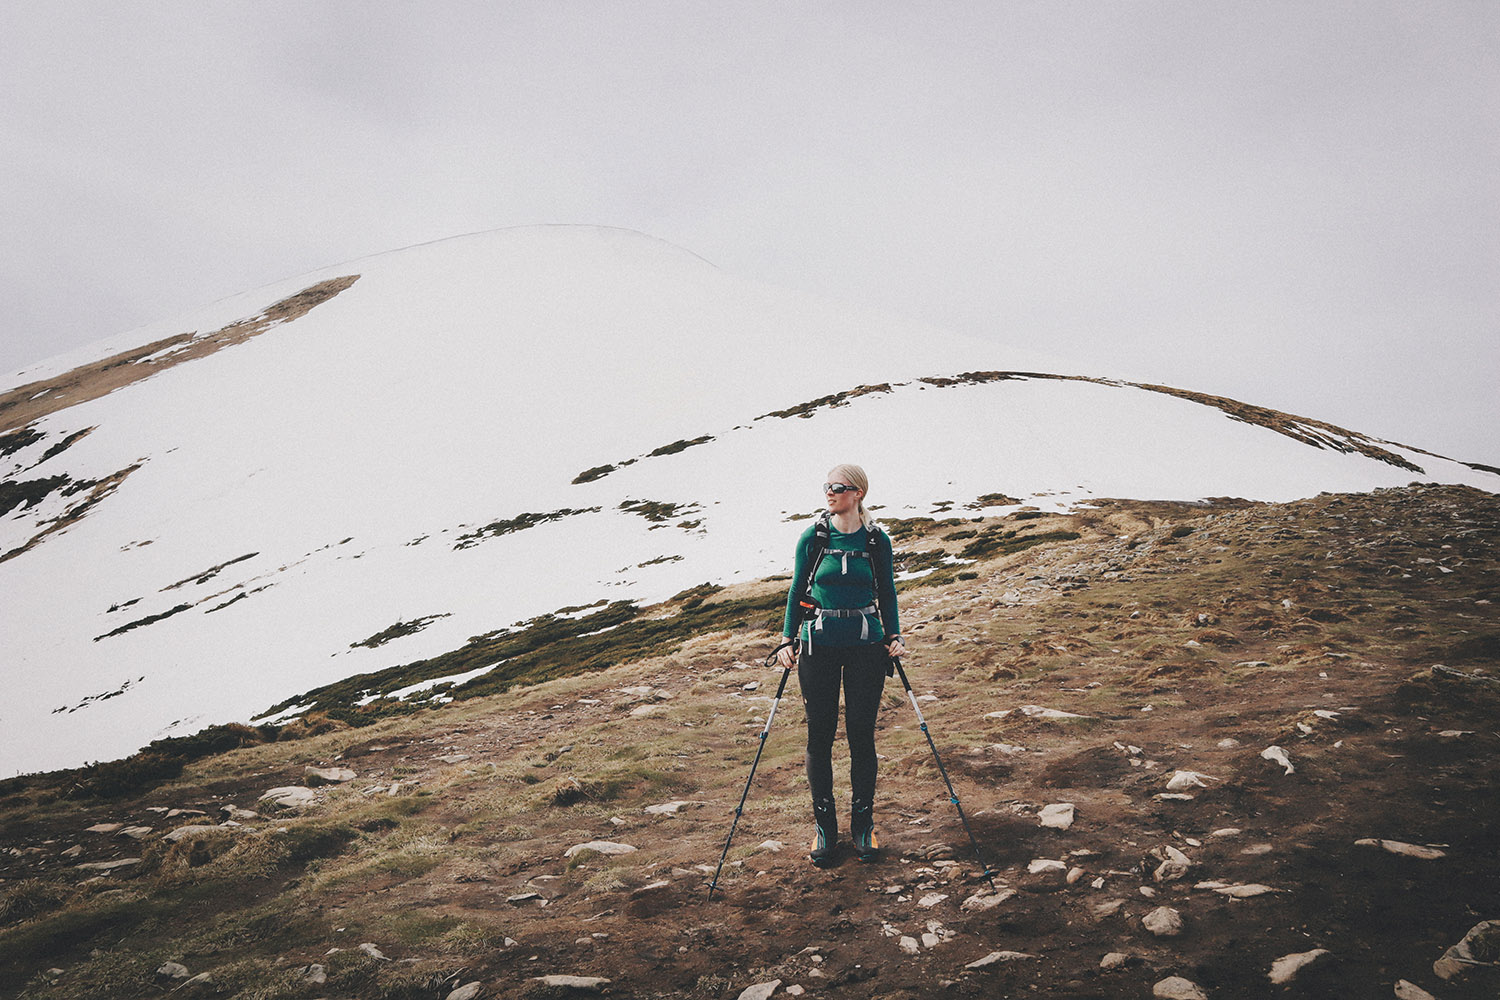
(837, 488)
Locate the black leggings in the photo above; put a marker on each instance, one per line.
(862, 670)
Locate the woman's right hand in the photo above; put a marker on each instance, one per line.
(787, 655)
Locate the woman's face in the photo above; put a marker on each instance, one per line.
(841, 503)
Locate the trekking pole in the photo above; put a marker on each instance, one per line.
(740, 809)
(952, 795)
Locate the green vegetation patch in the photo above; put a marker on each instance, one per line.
(677, 446)
(546, 648)
(396, 631)
(812, 406)
(518, 523)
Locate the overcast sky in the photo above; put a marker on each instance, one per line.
(1293, 203)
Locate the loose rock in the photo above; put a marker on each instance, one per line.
(1177, 988)
(600, 847)
(327, 775)
(1285, 968)
(1411, 991)
(997, 957)
(1058, 816)
(760, 991)
(468, 991)
(290, 798)
(592, 984)
(1481, 945)
(1408, 850)
(1163, 922)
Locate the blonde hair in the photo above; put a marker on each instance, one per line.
(854, 476)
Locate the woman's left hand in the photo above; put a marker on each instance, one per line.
(895, 648)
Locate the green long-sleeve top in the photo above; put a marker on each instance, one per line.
(844, 581)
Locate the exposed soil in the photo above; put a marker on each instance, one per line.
(1356, 632)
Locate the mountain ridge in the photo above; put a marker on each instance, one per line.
(582, 400)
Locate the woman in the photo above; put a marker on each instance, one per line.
(848, 635)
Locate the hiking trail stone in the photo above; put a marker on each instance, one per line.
(314, 776)
(468, 991)
(589, 984)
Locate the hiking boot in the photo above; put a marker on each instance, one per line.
(862, 831)
(825, 845)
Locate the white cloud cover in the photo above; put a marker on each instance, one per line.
(1291, 203)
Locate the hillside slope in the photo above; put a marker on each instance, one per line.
(370, 465)
(1355, 631)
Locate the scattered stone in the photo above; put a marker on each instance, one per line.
(1249, 891)
(1181, 781)
(327, 775)
(74, 851)
(930, 900)
(1256, 850)
(1114, 960)
(909, 945)
(107, 866)
(668, 808)
(998, 957)
(1228, 743)
(317, 975)
(453, 758)
(1174, 864)
(106, 827)
(795, 991)
(1411, 991)
(1163, 922)
(1481, 946)
(290, 798)
(374, 952)
(986, 900)
(468, 991)
(1177, 988)
(1228, 831)
(1279, 756)
(592, 984)
(173, 970)
(135, 832)
(1285, 968)
(760, 991)
(183, 832)
(1058, 816)
(232, 812)
(1408, 850)
(774, 846)
(600, 847)
(1038, 712)
(522, 898)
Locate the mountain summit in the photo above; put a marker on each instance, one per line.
(371, 464)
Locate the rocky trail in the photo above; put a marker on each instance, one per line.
(1222, 750)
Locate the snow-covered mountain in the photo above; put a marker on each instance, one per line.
(202, 518)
